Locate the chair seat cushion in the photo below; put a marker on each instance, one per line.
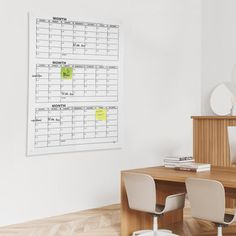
(228, 218)
(159, 208)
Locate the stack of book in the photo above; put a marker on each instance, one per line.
(172, 162)
(185, 163)
(196, 167)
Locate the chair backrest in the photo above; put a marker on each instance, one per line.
(207, 199)
(141, 192)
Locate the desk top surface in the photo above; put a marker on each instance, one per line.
(226, 175)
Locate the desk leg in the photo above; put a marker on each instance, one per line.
(230, 199)
(134, 220)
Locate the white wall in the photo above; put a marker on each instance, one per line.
(219, 46)
(162, 90)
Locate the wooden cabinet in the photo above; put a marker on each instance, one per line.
(210, 141)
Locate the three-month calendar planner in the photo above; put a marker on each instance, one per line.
(75, 84)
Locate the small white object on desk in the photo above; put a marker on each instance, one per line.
(233, 110)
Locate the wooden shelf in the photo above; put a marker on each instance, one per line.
(213, 117)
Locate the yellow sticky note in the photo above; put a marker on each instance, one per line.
(101, 114)
(66, 73)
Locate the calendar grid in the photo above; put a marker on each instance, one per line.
(73, 39)
(62, 126)
(88, 83)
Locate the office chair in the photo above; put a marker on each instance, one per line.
(207, 201)
(141, 193)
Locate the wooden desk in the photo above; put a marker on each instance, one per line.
(168, 182)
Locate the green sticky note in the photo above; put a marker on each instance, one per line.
(66, 73)
(101, 114)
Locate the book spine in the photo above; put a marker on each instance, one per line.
(178, 158)
(186, 169)
(170, 166)
(178, 162)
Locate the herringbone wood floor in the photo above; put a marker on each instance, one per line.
(102, 222)
(97, 222)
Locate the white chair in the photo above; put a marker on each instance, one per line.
(142, 196)
(207, 201)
